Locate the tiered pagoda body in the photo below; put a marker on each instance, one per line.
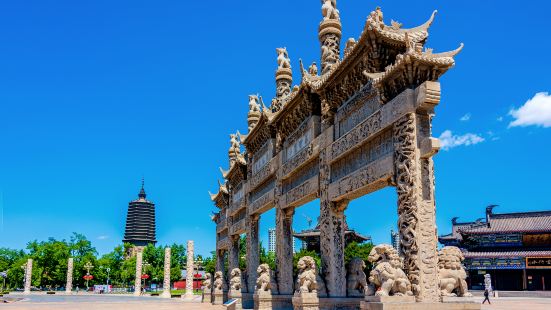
(140, 222)
(514, 248)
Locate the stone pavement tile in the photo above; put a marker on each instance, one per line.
(518, 303)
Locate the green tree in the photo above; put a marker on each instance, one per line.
(267, 257)
(82, 252)
(209, 263)
(361, 250)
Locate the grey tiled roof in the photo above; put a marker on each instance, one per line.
(513, 222)
(507, 254)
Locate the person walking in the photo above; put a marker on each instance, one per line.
(486, 297)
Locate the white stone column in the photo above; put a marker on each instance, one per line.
(138, 280)
(28, 276)
(69, 285)
(190, 268)
(166, 281)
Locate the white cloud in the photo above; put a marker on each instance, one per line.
(103, 237)
(536, 111)
(448, 140)
(465, 117)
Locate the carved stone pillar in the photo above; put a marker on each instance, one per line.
(284, 249)
(138, 278)
(233, 258)
(220, 261)
(166, 280)
(416, 208)
(332, 245)
(190, 268)
(69, 285)
(253, 251)
(28, 276)
(331, 221)
(329, 35)
(284, 79)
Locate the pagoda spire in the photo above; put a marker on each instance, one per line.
(142, 191)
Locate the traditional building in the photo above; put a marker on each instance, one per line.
(311, 237)
(360, 123)
(140, 221)
(514, 248)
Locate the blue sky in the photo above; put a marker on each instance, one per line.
(96, 94)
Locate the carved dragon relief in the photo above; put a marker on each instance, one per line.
(405, 175)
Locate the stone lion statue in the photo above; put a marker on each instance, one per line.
(356, 282)
(451, 272)
(265, 282)
(207, 283)
(387, 276)
(218, 281)
(235, 281)
(329, 10)
(283, 61)
(308, 280)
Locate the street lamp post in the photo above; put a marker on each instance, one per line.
(108, 270)
(4, 275)
(88, 266)
(24, 267)
(144, 271)
(198, 263)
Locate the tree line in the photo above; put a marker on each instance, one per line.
(50, 259)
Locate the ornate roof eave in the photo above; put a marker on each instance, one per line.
(396, 37)
(443, 61)
(294, 99)
(262, 121)
(224, 172)
(222, 190)
(239, 165)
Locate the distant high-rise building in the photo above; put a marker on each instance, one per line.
(140, 221)
(395, 240)
(271, 240)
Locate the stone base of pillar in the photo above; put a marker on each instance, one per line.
(341, 303)
(218, 298)
(262, 301)
(408, 302)
(165, 294)
(188, 295)
(137, 293)
(207, 297)
(268, 301)
(68, 293)
(306, 301)
(238, 297)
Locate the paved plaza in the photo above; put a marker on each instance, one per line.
(103, 302)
